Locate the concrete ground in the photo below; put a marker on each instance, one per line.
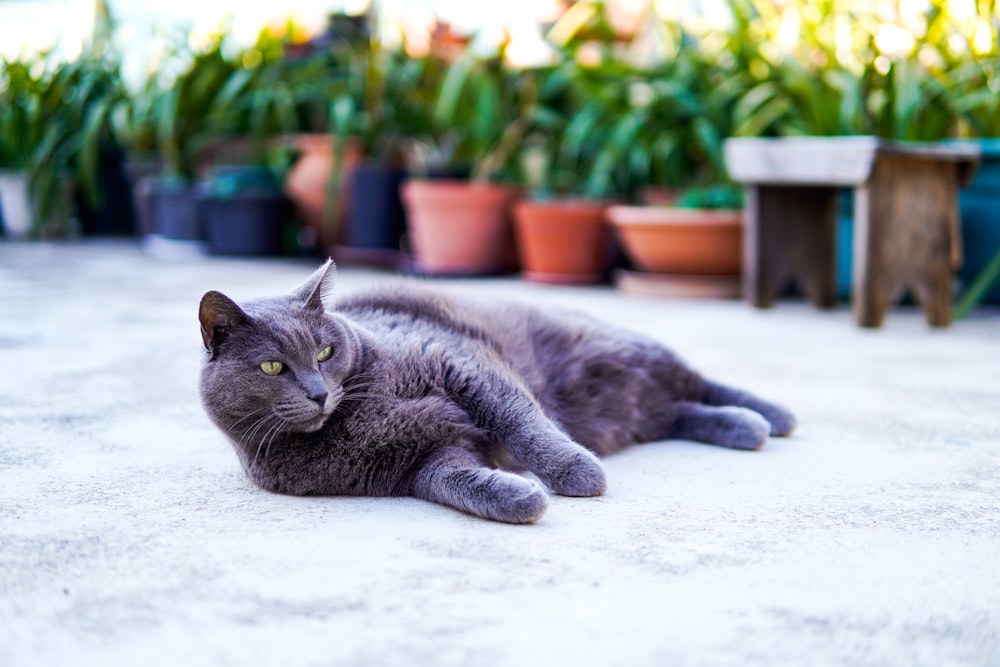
(129, 535)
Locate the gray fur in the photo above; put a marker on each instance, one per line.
(447, 398)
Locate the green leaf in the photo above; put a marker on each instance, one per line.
(454, 83)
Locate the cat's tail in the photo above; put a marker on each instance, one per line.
(781, 419)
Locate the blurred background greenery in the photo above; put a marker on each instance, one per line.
(588, 98)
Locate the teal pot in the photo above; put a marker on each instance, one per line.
(980, 207)
(845, 242)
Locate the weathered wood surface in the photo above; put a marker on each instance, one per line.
(905, 238)
(790, 238)
(846, 161)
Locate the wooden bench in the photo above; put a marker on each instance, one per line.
(906, 220)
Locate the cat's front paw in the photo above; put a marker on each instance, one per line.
(575, 472)
(504, 496)
(526, 505)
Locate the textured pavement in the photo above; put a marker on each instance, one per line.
(129, 535)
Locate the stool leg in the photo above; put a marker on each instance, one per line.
(870, 293)
(790, 234)
(903, 238)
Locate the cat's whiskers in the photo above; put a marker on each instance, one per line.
(271, 421)
(251, 430)
(262, 424)
(365, 380)
(363, 392)
(246, 417)
(356, 395)
(273, 432)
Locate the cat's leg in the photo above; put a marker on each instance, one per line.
(728, 426)
(782, 421)
(514, 419)
(457, 478)
(568, 468)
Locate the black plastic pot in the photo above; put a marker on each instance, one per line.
(141, 173)
(175, 213)
(144, 193)
(377, 219)
(112, 214)
(244, 223)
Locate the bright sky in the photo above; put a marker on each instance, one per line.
(144, 25)
(29, 25)
(36, 24)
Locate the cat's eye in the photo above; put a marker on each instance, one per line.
(325, 353)
(272, 367)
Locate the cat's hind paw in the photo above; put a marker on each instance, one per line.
(726, 426)
(741, 428)
(782, 421)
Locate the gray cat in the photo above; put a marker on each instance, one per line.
(405, 391)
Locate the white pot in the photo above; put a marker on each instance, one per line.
(15, 205)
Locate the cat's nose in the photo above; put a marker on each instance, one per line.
(318, 396)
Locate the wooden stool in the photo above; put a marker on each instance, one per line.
(906, 221)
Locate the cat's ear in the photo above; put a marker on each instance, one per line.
(219, 315)
(313, 292)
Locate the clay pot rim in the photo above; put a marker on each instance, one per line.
(457, 183)
(652, 216)
(569, 203)
(457, 190)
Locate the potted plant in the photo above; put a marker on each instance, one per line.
(561, 231)
(243, 210)
(90, 89)
(324, 153)
(970, 90)
(662, 127)
(462, 227)
(223, 114)
(701, 234)
(325, 81)
(564, 240)
(396, 105)
(54, 123)
(20, 132)
(254, 126)
(182, 107)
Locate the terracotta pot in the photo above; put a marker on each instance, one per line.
(562, 241)
(308, 181)
(681, 240)
(460, 228)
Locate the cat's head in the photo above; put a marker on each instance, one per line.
(276, 364)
